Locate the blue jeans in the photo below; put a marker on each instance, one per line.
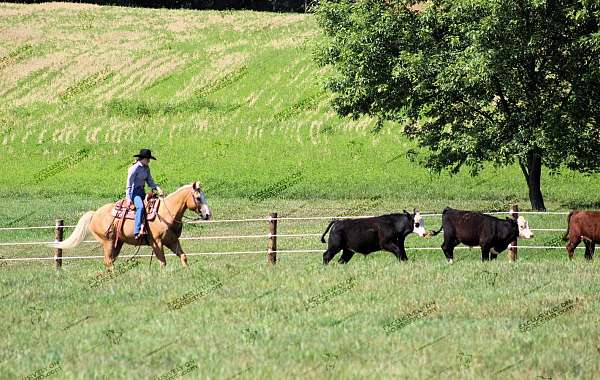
(138, 200)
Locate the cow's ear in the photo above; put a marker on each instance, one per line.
(406, 212)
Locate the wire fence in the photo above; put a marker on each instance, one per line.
(261, 236)
(268, 218)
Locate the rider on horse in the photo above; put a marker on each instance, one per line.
(138, 175)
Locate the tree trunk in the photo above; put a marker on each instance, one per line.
(533, 175)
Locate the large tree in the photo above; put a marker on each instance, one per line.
(473, 80)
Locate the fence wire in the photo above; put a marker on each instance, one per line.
(266, 236)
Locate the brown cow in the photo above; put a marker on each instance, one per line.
(583, 225)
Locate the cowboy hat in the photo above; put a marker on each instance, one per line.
(144, 153)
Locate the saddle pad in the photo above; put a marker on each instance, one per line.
(128, 208)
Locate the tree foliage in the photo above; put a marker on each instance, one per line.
(502, 81)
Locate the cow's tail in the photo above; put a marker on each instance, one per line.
(566, 236)
(433, 233)
(327, 229)
(78, 233)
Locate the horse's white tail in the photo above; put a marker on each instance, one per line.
(78, 234)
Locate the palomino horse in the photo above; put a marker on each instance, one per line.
(164, 230)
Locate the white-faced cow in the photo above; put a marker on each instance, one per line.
(476, 229)
(366, 235)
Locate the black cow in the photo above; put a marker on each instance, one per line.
(476, 229)
(366, 235)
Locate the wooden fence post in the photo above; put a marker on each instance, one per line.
(512, 252)
(58, 236)
(272, 243)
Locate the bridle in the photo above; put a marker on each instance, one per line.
(197, 210)
(197, 205)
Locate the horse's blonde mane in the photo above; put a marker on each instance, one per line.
(184, 187)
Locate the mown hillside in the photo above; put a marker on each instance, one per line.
(231, 98)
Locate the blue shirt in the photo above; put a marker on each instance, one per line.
(137, 176)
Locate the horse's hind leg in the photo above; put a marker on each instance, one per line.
(109, 257)
(176, 248)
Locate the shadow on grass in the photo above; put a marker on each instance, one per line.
(581, 205)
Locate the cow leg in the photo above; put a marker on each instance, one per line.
(485, 253)
(334, 245)
(448, 248)
(589, 248)
(493, 254)
(330, 253)
(573, 243)
(397, 250)
(346, 256)
(400, 244)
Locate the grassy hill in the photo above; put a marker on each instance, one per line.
(234, 100)
(230, 98)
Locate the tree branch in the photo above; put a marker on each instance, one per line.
(524, 169)
(476, 110)
(503, 101)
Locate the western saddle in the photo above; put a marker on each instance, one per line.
(125, 209)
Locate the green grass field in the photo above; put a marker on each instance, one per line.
(233, 99)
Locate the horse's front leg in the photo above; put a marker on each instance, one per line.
(176, 248)
(158, 249)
